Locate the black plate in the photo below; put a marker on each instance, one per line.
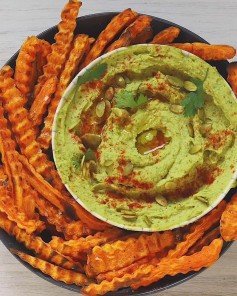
(93, 25)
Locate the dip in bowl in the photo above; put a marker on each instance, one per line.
(151, 144)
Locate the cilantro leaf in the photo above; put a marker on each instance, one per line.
(76, 160)
(125, 99)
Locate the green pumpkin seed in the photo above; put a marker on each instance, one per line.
(108, 162)
(100, 109)
(121, 113)
(161, 200)
(98, 187)
(195, 149)
(177, 109)
(175, 81)
(91, 140)
(109, 94)
(201, 114)
(205, 128)
(120, 81)
(107, 106)
(202, 199)
(128, 212)
(170, 185)
(190, 130)
(130, 218)
(128, 169)
(127, 80)
(190, 86)
(83, 161)
(147, 221)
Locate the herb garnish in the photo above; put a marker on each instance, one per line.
(194, 100)
(125, 99)
(76, 160)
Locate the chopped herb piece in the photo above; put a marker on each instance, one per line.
(125, 99)
(76, 160)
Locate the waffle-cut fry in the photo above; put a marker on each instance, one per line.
(29, 201)
(73, 248)
(81, 45)
(144, 36)
(3, 176)
(56, 272)
(61, 48)
(14, 214)
(228, 225)
(119, 22)
(44, 51)
(166, 36)
(205, 240)
(130, 33)
(26, 65)
(35, 243)
(205, 258)
(208, 52)
(39, 106)
(123, 253)
(232, 76)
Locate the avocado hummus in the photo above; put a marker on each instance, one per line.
(151, 144)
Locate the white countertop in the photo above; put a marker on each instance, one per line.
(214, 20)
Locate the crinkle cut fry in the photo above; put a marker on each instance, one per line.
(26, 65)
(228, 224)
(166, 36)
(232, 76)
(39, 106)
(81, 45)
(61, 48)
(130, 33)
(13, 214)
(205, 258)
(44, 51)
(56, 272)
(35, 243)
(123, 253)
(73, 248)
(207, 52)
(119, 22)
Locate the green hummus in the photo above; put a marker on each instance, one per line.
(165, 159)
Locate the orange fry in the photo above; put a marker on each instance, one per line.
(39, 106)
(123, 253)
(73, 248)
(120, 21)
(81, 45)
(56, 272)
(61, 48)
(143, 36)
(205, 258)
(26, 65)
(228, 225)
(130, 33)
(166, 36)
(35, 243)
(44, 51)
(208, 52)
(232, 76)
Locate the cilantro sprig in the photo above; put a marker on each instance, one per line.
(194, 100)
(77, 158)
(125, 99)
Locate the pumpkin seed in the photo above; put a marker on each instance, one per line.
(92, 167)
(190, 130)
(146, 136)
(205, 128)
(128, 212)
(98, 187)
(100, 109)
(119, 209)
(108, 162)
(121, 113)
(147, 221)
(195, 149)
(201, 114)
(91, 140)
(170, 185)
(177, 109)
(202, 199)
(127, 80)
(190, 86)
(130, 218)
(83, 161)
(107, 106)
(161, 200)
(120, 81)
(109, 94)
(128, 169)
(175, 81)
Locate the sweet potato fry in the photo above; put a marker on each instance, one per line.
(232, 76)
(26, 65)
(228, 225)
(205, 258)
(166, 36)
(120, 21)
(73, 248)
(205, 240)
(44, 51)
(35, 243)
(130, 33)
(29, 204)
(123, 253)
(56, 272)
(39, 106)
(61, 48)
(143, 36)
(81, 45)
(208, 52)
